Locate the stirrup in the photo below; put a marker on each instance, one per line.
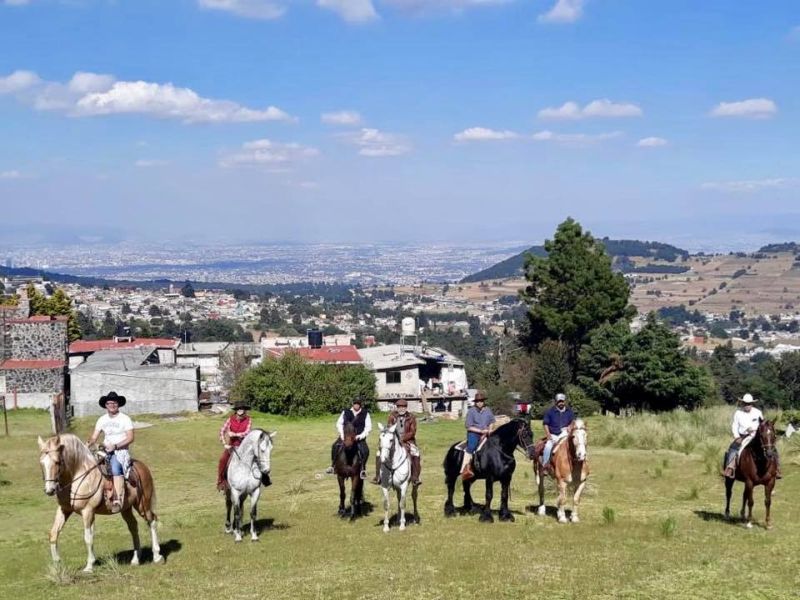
(363, 474)
(116, 507)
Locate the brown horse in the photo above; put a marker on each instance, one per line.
(570, 467)
(347, 464)
(72, 474)
(758, 465)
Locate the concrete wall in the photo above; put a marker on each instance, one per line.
(166, 356)
(152, 389)
(42, 340)
(408, 386)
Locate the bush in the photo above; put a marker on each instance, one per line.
(583, 405)
(290, 385)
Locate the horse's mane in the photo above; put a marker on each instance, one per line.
(505, 428)
(76, 453)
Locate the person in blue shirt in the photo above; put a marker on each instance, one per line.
(478, 425)
(557, 422)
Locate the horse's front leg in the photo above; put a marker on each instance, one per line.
(238, 507)
(55, 530)
(133, 528)
(385, 491)
(253, 512)
(729, 481)
(88, 538)
(562, 499)
(401, 502)
(486, 515)
(414, 489)
(505, 491)
(469, 505)
(450, 476)
(228, 507)
(580, 477)
(354, 496)
(768, 502)
(341, 496)
(542, 510)
(747, 500)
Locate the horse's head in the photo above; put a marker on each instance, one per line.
(348, 435)
(578, 437)
(386, 440)
(264, 451)
(766, 435)
(525, 435)
(51, 458)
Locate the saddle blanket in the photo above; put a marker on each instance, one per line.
(541, 444)
(462, 445)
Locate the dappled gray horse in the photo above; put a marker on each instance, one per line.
(250, 463)
(395, 473)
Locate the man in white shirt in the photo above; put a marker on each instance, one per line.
(362, 423)
(745, 423)
(117, 430)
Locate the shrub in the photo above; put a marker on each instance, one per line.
(609, 515)
(668, 527)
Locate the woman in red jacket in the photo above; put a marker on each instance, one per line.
(233, 431)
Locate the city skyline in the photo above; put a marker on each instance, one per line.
(391, 120)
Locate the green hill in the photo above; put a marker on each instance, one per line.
(618, 249)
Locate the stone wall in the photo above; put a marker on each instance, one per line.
(34, 388)
(37, 340)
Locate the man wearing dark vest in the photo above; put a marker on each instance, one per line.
(362, 423)
(407, 432)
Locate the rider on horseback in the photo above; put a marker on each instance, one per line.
(557, 422)
(233, 431)
(362, 423)
(117, 429)
(407, 432)
(745, 423)
(479, 420)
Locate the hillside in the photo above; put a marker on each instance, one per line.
(621, 250)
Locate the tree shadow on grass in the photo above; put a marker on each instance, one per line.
(146, 553)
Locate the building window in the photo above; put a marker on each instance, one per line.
(393, 376)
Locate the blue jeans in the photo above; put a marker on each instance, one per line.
(473, 439)
(116, 467)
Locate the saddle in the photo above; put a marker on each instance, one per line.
(462, 445)
(108, 480)
(538, 449)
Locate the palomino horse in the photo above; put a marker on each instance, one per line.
(347, 464)
(250, 463)
(494, 462)
(758, 465)
(569, 468)
(72, 474)
(395, 473)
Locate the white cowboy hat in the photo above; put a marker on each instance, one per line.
(747, 399)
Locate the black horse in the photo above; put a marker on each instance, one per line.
(494, 462)
(347, 464)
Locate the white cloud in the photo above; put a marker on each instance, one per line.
(342, 117)
(574, 139)
(251, 9)
(267, 153)
(752, 185)
(480, 134)
(10, 175)
(352, 11)
(596, 108)
(18, 81)
(564, 11)
(91, 94)
(652, 142)
(375, 143)
(753, 108)
(146, 163)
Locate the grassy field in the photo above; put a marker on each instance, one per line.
(651, 525)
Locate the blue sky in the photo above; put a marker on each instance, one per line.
(451, 120)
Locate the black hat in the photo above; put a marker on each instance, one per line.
(358, 400)
(480, 396)
(241, 404)
(120, 400)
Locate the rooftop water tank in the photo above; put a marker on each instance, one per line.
(408, 326)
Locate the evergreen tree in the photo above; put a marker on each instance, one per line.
(551, 373)
(722, 365)
(187, 291)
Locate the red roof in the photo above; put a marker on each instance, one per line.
(326, 354)
(32, 364)
(82, 346)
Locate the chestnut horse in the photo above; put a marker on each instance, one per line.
(347, 465)
(72, 474)
(758, 465)
(570, 467)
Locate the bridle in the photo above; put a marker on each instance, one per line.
(79, 478)
(523, 445)
(255, 464)
(395, 443)
(572, 436)
(767, 445)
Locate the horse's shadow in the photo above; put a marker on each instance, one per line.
(549, 511)
(394, 520)
(268, 525)
(367, 509)
(146, 553)
(720, 517)
(478, 509)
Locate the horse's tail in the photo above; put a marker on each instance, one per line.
(146, 491)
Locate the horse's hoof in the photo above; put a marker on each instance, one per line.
(88, 570)
(254, 538)
(228, 530)
(475, 510)
(541, 511)
(237, 539)
(486, 518)
(748, 525)
(575, 519)
(135, 561)
(385, 529)
(507, 517)
(342, 513)
(768, 526)
(450, 511)
(157, 558)
(402, 527)
(562, 520)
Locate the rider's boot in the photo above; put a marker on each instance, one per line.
(119, 493)
(466, 467)
(376, 480)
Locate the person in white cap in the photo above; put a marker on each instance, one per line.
(557, 423)
(745, 423)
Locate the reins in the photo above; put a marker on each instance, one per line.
(79, 478)
(395, 441)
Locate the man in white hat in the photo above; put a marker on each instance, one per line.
(745, 423)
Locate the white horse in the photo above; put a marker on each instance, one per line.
(395, 473)
(249, 464)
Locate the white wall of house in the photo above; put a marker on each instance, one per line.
(408, 384)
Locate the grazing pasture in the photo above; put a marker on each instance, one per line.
(651, 524)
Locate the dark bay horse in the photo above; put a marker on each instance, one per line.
(758, 465)
(494, 462)
(72, 474)
(347, 465)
